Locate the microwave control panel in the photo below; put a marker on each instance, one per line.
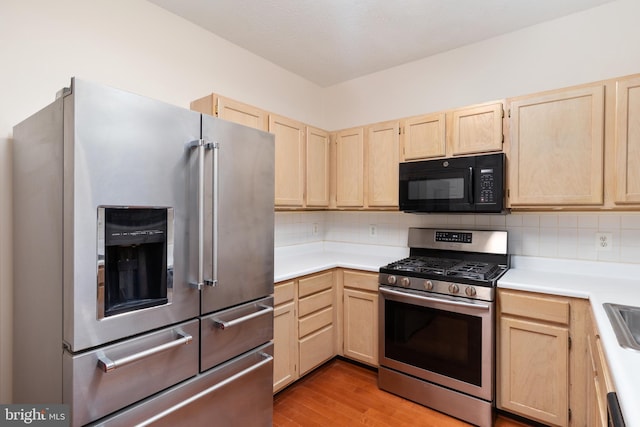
(487, 186)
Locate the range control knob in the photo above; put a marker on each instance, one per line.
(405, 282)
(453, 288)
(391, 280)
(470, 291)
(428, 285)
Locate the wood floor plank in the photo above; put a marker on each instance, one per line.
(341, 393)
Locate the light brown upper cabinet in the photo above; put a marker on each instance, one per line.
(423, 137)
(290, 160)
(627, 146)
(557, 148)
(231, 110)
(463, 131)
(382, 157)
(318, 167)
(477, 129)
(349, 168)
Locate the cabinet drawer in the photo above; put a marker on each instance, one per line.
(358, 280)
(315, 321)
(313, 284)
(283, 292)
(315, 302)
(535, 306)
(316, 349)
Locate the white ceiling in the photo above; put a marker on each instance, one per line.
(332, 41)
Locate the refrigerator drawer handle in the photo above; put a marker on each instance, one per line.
(108, 365)
(267, 358)
(223, 324)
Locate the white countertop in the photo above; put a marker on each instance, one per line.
(597, 281)
(299, 260)
(600, 283)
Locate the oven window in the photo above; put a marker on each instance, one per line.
(439, 341)
(436, 189)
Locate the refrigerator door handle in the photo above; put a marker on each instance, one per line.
(215, 194)
(200, 145)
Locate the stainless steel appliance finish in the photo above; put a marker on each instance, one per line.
(474, 184)
(437, 314)
(137, 223)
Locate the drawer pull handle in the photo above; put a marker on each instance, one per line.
(108, 365)
(266, 359)
(223, 324)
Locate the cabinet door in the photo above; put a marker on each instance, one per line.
(238, 112)
(361, 326)
(285, 345)
(628, 141)
(424, 137)
(383, 152)
(318, 159)
(557, 143)
(350, 168)
(290, 160)
(477, 129)
(534, 370)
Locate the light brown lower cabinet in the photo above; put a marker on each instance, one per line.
(360, 316)
(541, 354)
(285, 336)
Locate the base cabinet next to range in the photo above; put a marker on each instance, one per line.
(360, 316)
(540, 357)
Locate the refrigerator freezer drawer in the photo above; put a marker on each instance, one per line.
(103, 381)
(236, 393)
(228, 333)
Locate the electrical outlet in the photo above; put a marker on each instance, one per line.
(604, 241)
(315, 229)
(373, 230)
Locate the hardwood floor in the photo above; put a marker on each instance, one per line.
(341, 393)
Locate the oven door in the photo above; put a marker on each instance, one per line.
(444, 340)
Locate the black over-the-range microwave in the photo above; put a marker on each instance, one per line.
(474, 184)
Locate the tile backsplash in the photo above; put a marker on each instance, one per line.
(607, 236)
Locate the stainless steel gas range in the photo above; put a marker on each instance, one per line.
(437, 321)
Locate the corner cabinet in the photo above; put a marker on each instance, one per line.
(600, 379)
(318, 158)
(360, 316)
(539, 355)
(557, 148)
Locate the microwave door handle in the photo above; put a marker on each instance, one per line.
(470, 185)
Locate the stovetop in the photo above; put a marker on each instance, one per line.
(422, 266)
(465, 263)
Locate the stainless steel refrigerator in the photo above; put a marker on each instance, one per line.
(143, 262)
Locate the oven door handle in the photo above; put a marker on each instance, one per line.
(407, 297)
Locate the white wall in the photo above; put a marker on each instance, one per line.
(593, 45)
(132, 45)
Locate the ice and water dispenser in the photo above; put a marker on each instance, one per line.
(134, 258)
